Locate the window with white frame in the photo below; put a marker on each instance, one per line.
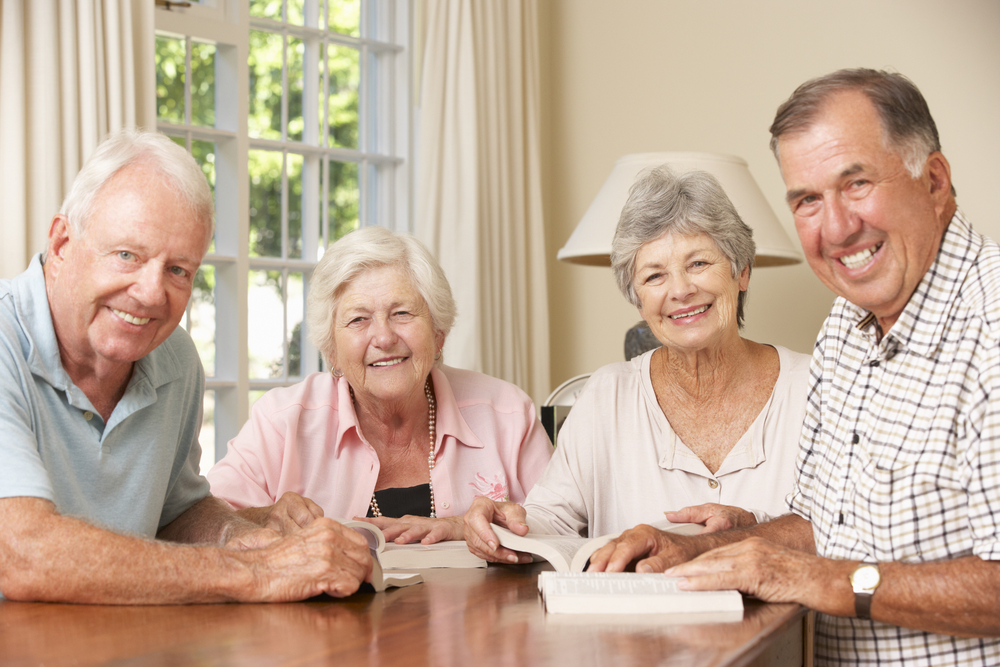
(298, 112)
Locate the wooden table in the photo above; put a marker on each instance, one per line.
(456, 618)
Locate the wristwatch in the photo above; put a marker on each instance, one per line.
(864, 580)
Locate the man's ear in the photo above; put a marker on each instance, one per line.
(59, 238)
(939, 173)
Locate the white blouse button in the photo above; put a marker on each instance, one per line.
(88, 415)
(713, 484)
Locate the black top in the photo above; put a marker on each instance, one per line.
(414, 500)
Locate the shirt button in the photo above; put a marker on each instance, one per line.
(88, 415)
(446, 505)
(713, 484)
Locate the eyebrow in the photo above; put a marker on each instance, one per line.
(792, 195)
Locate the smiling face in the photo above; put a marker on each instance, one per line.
(869, 230)
(384, 337)
(120, 288)
(687, 292)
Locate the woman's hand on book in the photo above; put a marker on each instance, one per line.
(480, 537)
(409, 528)
(713, 516)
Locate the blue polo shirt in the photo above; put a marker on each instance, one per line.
(137, 472)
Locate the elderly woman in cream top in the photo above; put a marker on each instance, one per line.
(707, 424)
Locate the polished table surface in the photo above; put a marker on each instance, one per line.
(489, 616)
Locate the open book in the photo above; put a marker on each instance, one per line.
(634, 593)
(394, 556)
(570, 553)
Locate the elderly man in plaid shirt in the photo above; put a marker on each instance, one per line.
(894, 529)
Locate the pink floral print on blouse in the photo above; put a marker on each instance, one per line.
(494, 489)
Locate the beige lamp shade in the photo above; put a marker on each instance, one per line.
(590, 242)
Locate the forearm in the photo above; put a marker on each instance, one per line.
(788, 530)
(957, 597)
(209, 521)
(58, 558)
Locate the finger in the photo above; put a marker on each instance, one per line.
(652, 564)
(691, 514)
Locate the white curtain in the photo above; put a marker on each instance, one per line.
(71, 71)
(479, 203)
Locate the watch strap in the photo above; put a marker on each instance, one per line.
(863, 605)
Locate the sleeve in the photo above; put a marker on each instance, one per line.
(187, 485)
(981, 466)
(800, 500)
(241, 477)
(22, 472)
(557, 504)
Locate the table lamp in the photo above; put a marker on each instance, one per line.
(590, 242)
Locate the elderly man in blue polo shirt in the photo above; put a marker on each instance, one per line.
(100, 408)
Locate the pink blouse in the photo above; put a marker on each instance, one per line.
(305, 438)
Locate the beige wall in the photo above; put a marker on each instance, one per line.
(627, 76)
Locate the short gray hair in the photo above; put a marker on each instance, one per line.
(128, 147)
(360, 251)
(907, 124)
(661, 202)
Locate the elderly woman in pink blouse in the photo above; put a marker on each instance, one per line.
(390, 433)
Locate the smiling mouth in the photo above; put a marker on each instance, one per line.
(859, 259)
(691, 313)
(390, 362)
(131, 319)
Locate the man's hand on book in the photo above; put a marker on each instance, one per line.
(480, 537)
(291, 513)
(650, 549)
(713, 516)
(409, 528)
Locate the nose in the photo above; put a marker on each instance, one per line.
(681, 287)
(840, 223)
(383, 334)
(149, 287)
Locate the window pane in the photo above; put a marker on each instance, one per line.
(342, 102)
(345, 16)
(268, 9)
(296, 309)
(202, 84)
(293, 163)
(296, 14)
(265, 85)
(265, 203)
(342, 198)
(265, 320)
(170, 79)
(295, 77)
(201, 317)
(207, 437)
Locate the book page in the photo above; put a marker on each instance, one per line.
(557, 549)
(454, 553)
(372, 533)
(628, 592)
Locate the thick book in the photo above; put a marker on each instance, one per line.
(633, 593)
(572, 553)
(394, 556)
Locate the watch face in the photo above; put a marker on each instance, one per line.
(865, 578)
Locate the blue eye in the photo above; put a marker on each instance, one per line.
(125, 255)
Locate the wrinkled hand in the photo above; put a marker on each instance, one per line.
(288, 515)
(253, 538)
(480, 537)
(654, 550)
(713, 516)
(323, 557)
(409, 528)
(771, 572)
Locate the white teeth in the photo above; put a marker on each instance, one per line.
(391, 362)
(859, 259)
(131, 319)
(693, 312)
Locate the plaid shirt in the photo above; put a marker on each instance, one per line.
(900, 457)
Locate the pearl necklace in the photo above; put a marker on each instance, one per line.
(431, 419)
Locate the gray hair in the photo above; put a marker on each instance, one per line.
(360, 251)
(907, 124)
(132, 146)
(661, 202)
